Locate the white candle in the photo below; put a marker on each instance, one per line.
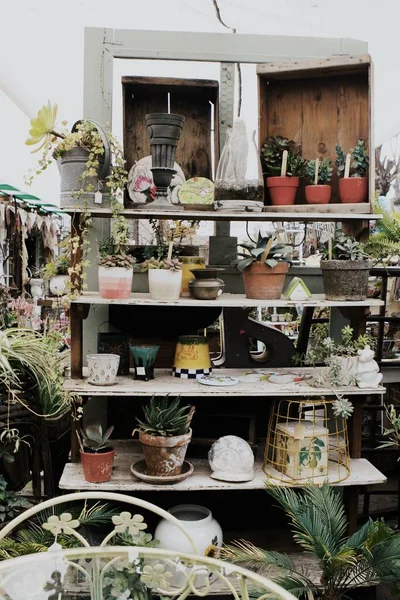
(347, 167)
(316, 171)
(284, 163)
(170, 250)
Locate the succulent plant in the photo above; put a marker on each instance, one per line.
(265, 249)
(271, 157)
(93, 438)
(164, 416)
(172, 264)
(347, 248)
(324, 171)
(359, 160)
(123, 260)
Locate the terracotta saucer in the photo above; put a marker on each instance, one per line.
(138, 469)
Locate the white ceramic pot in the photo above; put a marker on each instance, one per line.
(37, 287)
(103, 368)
(165, 285)
(58, 284)
(115, 282)
(203, 529)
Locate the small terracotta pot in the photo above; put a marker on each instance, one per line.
(164, 456)
(263, 282)
(353, 189)
(318, 194)
(282, 190)
(97, 466)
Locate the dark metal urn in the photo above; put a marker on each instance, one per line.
(164, 131)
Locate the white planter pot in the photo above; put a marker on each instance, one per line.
(203, 529)
(115, 282)
(58, 284)
(103, 368)
(165, 285)
(37, 287)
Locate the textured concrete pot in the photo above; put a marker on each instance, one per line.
(353, 189)
(263, 282)
(164, 456)
(345, 279)
(97, 466)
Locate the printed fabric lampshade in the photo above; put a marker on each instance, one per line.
(192, 357)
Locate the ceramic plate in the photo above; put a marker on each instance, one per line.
(218, 380)
(138, 469)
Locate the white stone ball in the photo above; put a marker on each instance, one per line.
(231, 459)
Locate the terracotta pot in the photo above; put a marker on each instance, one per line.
(97, 466)
(345, 279)
(353, 189)
(282, 190)
(164, 456)
(263, 282)
(318, 194)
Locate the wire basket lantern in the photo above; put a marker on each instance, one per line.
(306, 443)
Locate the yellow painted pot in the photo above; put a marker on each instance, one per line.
(192, 357)
(188, 263)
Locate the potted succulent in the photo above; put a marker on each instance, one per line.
(352, 172)
(319, 174)
(283, 167)
(97, 456)
(115, 270)
(345, 270)
(165, 278)
(263, 265)
(56, 272)
(89, 158)
(165, 434)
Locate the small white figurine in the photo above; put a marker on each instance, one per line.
(231, 459)
(368, 375)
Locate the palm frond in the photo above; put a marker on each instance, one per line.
(252, 557)
(296, 586)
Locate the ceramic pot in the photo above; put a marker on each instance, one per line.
(204, 530)
(103, 368)
(263, 282)
(282, 190)
(206, 284)
(36, 285)
(115, 283)
(345, 279)
(164, 456)
(97, 466)
(353, 189)
(192, 357)
(164, 284)
(58, 285)
(318, 194)
(144, 358)
(189, 263)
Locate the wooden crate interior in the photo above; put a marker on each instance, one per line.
(196, 99)
(317, 108)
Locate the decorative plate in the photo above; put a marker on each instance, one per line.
(138, 469)
(197, 192)
(141, 185)
(218, 380)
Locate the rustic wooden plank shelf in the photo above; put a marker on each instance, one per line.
(225, 300)
(301, 212)
(249, 385)
(362, 472)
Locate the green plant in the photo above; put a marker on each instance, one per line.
(10, 443)
(359, 160)
(393, 432)
(385, 241)
(318, 520)
(271, 157)
(171, 264)
(112, 256)
(10, 504)
(265, 250)
(58, 266)
(346, 248)
(93, 440)
(165, 417)
(324, 171)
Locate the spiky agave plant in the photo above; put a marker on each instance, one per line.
(165, 416)
(318, 521)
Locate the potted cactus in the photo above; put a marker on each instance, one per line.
(165, 434)
(283, 167)
(352, 172)
(319, 174)
(263, 265)
(165, 278)
(97, 456)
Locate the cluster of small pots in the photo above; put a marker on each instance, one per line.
(283, 190)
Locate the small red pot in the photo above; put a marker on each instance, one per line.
(353, 189)
(282, 190)
(318, 194)
(97, 467)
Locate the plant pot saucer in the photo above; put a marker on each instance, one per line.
(139, 470)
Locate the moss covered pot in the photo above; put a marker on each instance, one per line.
(345, 279)
(164, 456)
